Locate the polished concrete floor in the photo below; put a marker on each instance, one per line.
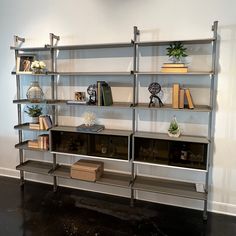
(37, 211)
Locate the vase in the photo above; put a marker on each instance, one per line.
(38, 71)
(34, 92)
(175, 135)
(35, 119)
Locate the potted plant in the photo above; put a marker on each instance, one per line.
(176, 52)
(34, 112)
(174, 129)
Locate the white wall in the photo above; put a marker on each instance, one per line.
(99, 21)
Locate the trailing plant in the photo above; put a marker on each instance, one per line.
(176, 51)
(34, 111)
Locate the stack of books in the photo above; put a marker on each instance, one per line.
(93, 128)
(181, 96)
(42, 142)
(104, 94)
(45, 123)
(174, 68)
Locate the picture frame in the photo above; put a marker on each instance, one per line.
(80, 96)
(23, 63)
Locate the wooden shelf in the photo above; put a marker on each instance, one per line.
(95, 73)
(30, 49)
(197, 108)
(190, 73)
(25, 126)
(115, 132)
(46, 101)
(35, 167)
(115, 179)
(167, 42)
(92, 46)
(24, 146)
(170, 187)
(163, 136)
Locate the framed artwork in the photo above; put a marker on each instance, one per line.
(80, 96)
(23, 63)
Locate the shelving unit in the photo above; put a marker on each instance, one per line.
(133, 180)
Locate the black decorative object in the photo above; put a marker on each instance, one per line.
(92, 92)
(154, 88)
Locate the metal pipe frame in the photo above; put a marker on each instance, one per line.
(53, 41)
(135, 68)
(211, 118)
(18, 39)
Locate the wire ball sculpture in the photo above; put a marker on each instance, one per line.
(155, 90)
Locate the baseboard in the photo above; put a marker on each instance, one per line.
(223, 208)
(9, 173)
(216, 207)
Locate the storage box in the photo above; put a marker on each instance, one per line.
(87, 170)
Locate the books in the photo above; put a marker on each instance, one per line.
(179, 96)
(174, 68)
(175, 96)
(189, 99)
(94, 128)
(45, 123)
(107, 95)
(100, 100)
(42, 142)
(173, 65)
(35, 126)
(33, 144)
(104, 94)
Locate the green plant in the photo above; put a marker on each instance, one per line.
(34, 111)
(176, 51)
(174, 127)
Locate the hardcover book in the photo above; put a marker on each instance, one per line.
(107, 95)
(94, 128)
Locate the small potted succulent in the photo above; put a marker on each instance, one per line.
(34, 112)
(38, 67)
(176, 52)
(174, 129)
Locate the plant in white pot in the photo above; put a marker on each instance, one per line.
(174, 129)
(34, 112)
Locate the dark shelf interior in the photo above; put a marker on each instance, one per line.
(108, 178)
(169, 152)
(92, 144)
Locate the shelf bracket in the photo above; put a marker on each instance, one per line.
(18, 41)
(52, 38)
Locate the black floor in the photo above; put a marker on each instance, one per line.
(37, 211)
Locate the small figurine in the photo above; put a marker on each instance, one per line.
(154, 88)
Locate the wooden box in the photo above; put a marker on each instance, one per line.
(87, 170)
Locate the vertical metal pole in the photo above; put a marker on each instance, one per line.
(53, 92)
(135, 47)
(17, 39)
(211, 118)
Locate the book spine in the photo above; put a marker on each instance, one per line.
(41, 125)
(175, 96)
(189, 99)
(181, 98)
